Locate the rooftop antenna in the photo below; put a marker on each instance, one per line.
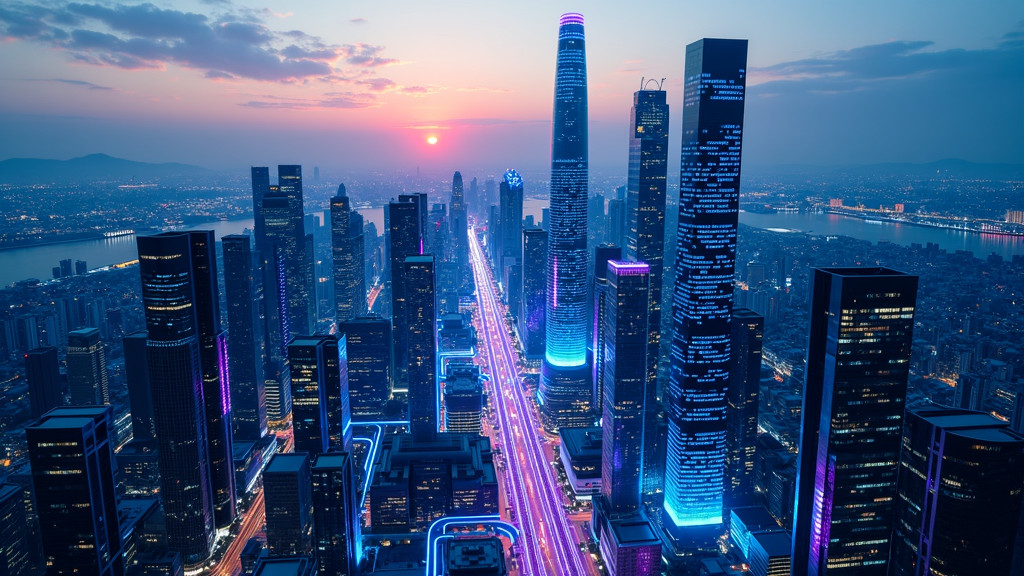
(644, 83)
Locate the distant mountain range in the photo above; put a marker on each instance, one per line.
(941, 168)
(92, 168)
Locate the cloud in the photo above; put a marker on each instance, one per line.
(82, 83)
(469, 122)
(336, 100)
(359, 20)
(235, 44)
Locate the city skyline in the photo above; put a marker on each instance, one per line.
(324, 77)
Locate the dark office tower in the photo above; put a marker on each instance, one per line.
(421, 321)
(336, 528)
(368, 346)
(307, 357)
(404, 239)
(959, 495)
(565, 376)
(245, 365)
(531, 316)
(140, 396)
(645, 238)
(87, 368)
(702, 303)
(213, 357)
(616, 221)
(460, 240)
(289, 505)
(624, 330)
(858, 359)
(494, 234)
(300, 302)
(286, 240)
(73, 482)
(15, 556)
(511, 192)
(275, 325)
(175, 375)
(260, 188)
(490, 192)
(43, 375)
(347, 251)
(741, 414)
(602, 256)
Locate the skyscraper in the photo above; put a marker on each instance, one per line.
(286, 243)
(645, 240)
(307, 357)
(260, 188)
(175, 374)
(73, 482)
(709, 182)
(460, 241)
(511, 192)
(347, 250)
(603, 254)
(959, 496)
(565, 376)
(213, 356)
(627, 540)
(301, 305)
(339, 405)
(140, 396)
(87, 368)
(289, 505)
(336, 510)
(15, 547)
(421, 323)
(245, 363)
(741, 416)
(858, 361)
(531, 318)
(43, 375)
(369, 347)
(404, 239)
(624, 330)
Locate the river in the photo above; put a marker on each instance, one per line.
(38, 261)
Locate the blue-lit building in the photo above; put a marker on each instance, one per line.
(307, 356)
(531, 315)
(368, 348)
(741, 418)
(287, 489)
(510, 192)
(645, 241)
(336, 512)
(459, 228)
(602, 255)
(404, 238)
(709, 184)
(564, 390)
(858, 362)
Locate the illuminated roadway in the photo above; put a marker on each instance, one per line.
(550, 544)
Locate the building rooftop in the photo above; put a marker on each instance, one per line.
(476, 557)
(287, 463)
(635, 530)
(775, 543)
(755, 518)
(970, 424)
(334, 460)
(283, 567)
(581, 442)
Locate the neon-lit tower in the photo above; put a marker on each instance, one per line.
(709, 182)
(565, 378)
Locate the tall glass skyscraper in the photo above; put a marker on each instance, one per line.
(421, 324)
(298, 266)
(744, 384)
(347, 251)
(565, 377)
(531, 316)
(709, 183)
(858, 362)
(404, 239)
(368, 348)
(307, 357)
(175, 375)
(645, 240)
(87, 368)
(245, 365)
(458, 225)
(511, 193)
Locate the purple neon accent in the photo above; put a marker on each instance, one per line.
(623, 268)
(571, 18)
(554, 278)
(222, 361)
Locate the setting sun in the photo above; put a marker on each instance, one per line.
(431, 140)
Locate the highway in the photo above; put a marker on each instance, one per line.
(550, 544)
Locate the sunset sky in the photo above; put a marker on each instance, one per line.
(364, 84)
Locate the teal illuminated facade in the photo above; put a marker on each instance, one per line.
(709, 184)
(565, 379)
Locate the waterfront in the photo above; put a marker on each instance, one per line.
(38, 261)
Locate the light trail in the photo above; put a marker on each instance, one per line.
(520, 432)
